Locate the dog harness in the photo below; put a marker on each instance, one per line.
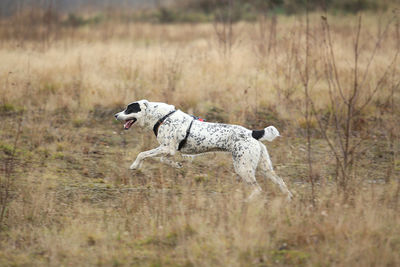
(183, 142)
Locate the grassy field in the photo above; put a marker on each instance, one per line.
(68, 197)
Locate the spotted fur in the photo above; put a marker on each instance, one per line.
(247, 151)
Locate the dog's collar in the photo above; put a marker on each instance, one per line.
(160, 121)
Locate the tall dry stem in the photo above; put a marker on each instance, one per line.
(305, 76)
(307, 111)
(223, 28)
(266, 37)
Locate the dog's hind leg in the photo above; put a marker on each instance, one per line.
(245, 161)
(159, 151)
(266, 168)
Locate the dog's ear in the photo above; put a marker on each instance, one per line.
(144, 104)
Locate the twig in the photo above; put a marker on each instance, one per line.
(9, 170)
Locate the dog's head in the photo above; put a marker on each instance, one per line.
(133, 112)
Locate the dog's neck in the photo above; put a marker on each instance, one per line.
(155, 112)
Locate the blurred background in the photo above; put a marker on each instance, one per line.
(196, 10)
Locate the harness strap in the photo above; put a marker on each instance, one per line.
(183, 142)
(160, 121)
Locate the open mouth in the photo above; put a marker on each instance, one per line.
(129, 123)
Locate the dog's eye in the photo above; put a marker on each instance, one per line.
(132, 108)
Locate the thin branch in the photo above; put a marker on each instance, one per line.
(332, 56)
(377, 87)
(377, 45)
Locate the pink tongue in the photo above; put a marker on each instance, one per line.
(128, 124)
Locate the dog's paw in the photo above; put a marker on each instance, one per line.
(135, 166)
(178, 165)
(289, 196)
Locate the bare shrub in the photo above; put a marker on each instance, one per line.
(347, 103)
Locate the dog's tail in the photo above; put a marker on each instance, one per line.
(269, 134)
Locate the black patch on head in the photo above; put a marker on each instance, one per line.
(132, 108)
(257, 134)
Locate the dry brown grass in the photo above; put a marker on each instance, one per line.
(74, 201)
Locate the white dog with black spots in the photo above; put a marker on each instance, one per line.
(178, 131)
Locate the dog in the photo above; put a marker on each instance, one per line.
(177, 131)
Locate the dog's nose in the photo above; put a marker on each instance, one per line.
(116, 116)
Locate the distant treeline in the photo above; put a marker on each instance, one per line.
(235, 10)
(284, 6)
(75, 12)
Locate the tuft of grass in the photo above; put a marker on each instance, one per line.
(9, 108)
(6, 148)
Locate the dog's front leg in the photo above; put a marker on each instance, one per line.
(159, 151)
